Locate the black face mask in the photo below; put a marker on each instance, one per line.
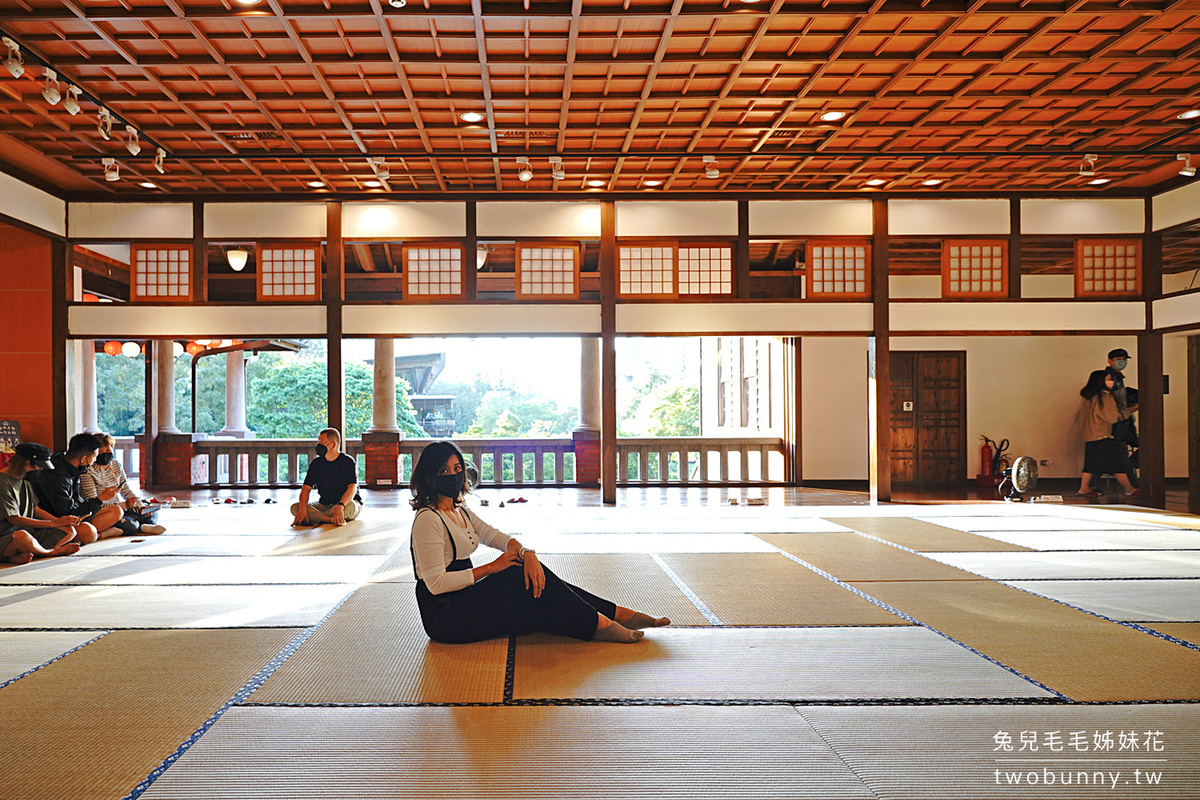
(322, 450)
(450, 485)
(104, 459)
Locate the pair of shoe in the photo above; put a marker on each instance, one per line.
(518, 500)
(1134, 493)
(152, 530)
(1092, 493)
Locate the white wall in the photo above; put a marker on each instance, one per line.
(29, 204)
(834, 408)
(130, 221)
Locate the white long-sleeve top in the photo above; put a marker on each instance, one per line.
(98, 478)
(433, 552)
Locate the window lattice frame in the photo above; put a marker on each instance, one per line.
(984, 273)
(172, 283)
(450, 282)
(825, 269)
(691, 268)
(547, 265)
(1108, 267)
(284, 270)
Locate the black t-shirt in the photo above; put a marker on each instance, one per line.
(330, 478)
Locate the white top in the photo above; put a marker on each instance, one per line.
(97, 478)
(433, 552)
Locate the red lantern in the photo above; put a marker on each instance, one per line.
(194, 348)
(90, 298)
(112, 348)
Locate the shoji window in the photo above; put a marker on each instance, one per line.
(838, 269)
(289, 272)
(547, 270)
(675, 269)
(161, 273)
(1108, 267)
(433, 271)
(975, 268)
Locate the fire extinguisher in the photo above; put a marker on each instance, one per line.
(985, 456)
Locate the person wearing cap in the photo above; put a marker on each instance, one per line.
(27, 531)
(1117, 361)
(1126, 430)
(60, 492)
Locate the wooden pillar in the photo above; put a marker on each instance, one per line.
(1193, 422)
(1014, 248)
(62, 292)
(879, 362)
(793, 417)
(1151, 429)
(199, 255)
(742, 253)
(149, 446)
(608, 352)
(470, 246)
(335, 295)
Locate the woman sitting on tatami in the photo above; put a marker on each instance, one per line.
(514, 594)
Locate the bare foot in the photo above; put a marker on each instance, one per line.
(616, 632)
(21, 558)
(639, 620)
(66, 549)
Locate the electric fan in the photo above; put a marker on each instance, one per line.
(1021, 478)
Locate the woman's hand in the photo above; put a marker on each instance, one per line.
(535, 576)
(506, 560)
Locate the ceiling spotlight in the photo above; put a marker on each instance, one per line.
(105, 125)
(397, 3)
(160, 156)
(380, 167)
(1187, 170)
(597, 184)
(316, 184)
(556, 169)
(372, 184)
(1192, 113)
(652, 182)
(131, 142)
(51, 91)
(833, 116)
(524, 171)
(247, 2)
(471, 116)
(148, 185)
(876, 182)
(710, 170)
(112, 170)
(1098, 181)
(931, 182)
(237, 258)
(71, 101)
(13, 63)
(1087, 167)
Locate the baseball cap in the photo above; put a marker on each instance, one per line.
(1118, 353)
(34, 453)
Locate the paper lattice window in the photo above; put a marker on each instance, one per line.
(433, 271)
(706, 269)
(289, 272)
(648, 271)
(1107, 267)
(547, 270)
(838, 270)
(974, 269)
(162, 273)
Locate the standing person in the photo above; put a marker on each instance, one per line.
(1124, 431)
(60, 492)
(514, 594)
(335, 477)
(106, 479)
(1102, 454)
(26, 531)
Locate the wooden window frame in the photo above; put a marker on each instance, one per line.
(946, 277)
(683, 245)
(184, 296)
(811, 244)
(463, 266)
(1080, 278)
(675, 246)
(261, 271)
(519, 294)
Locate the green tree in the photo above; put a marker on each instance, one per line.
(508, 413)
(120, 394)
(677, 413)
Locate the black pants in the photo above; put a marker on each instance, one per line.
(500, 606)
(131, 521)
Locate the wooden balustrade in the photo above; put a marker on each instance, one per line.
(697, 459)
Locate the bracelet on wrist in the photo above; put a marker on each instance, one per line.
(521, 553)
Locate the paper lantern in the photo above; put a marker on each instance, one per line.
(112, 348)
(176, 349)
(194, 348)
(131, 349)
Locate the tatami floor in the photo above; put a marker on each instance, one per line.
(822, 648)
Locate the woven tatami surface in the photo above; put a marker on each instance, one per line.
(828, 652)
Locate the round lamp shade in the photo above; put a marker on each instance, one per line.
(112, 348)
(131, 349)
(176, 349)
(194, 348)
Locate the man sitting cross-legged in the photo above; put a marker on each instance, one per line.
(26, 531)
(335, 477)
(59, 491)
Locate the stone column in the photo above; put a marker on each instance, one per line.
(235, 397)
(382, 440)
(164, 361)
(586, 435)
(88, 389)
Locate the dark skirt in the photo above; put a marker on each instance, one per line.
(1106, 457)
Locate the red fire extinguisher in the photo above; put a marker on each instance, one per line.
(985, 456)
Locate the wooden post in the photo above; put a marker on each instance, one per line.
(742, 254)
(335, 295)
(470, 245)
(199, 255)
(1152, 464)
(1193, 417)
(879, 362)
(62, 283)
(1014, 248)
(608, 352)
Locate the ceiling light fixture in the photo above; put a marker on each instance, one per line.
(71, 101)
(316, 184)
(1087, 167)
(833, 116)
(1098, 181)
(397, 3)
(597, 184)
(148, 185)
(931, 182)
(372, 184)
(524, 171)
(105, 125)
(652, 182)
(51, 92)
(237, 258)
(160, 156)
(112, 170)
(556, 169)
(247, 2)
(1187, 170)
(380, 167)
(471, 116)
(710, 167)
(13, 63)
(876, 182)
(131, 141)
(1191, 113)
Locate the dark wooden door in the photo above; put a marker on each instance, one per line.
(929, 416)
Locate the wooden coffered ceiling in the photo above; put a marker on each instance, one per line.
(986, 96)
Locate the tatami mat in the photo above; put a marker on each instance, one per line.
(770, 589)
(922, 535)
(465, 753)
(379, 536)
(1187, 631)
(398, 568)
(952, 752)
(1156, 539)
(633, 581)
(95, 723)
(167, 606)
(170, 570)
(1079, 655)
(21, 651)
(1110, 564)
(983, 523)
(782, 664)
(221, 520)
(851, 557)
(373, 650)
(171, 544)
(644, 543)
(1164, 600)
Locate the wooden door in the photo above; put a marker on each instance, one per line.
(929, 416)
